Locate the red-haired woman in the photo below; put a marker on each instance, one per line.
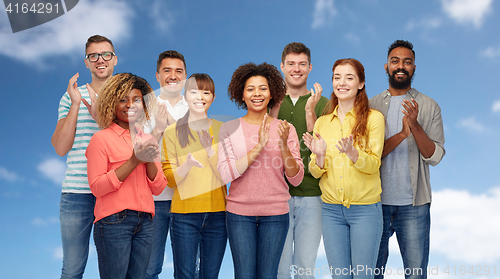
(346, 155)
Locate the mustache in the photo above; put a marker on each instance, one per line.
(401, 70)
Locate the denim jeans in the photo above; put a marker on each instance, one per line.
(412, 226)
(123, 242)
(256, 244)
(161, 224)
(76, 216)
(193, 232)
(302, 240)
(352, 238)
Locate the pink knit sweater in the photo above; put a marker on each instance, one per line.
(261, 190)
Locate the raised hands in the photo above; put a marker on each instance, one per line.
(345, 145)
(317, 146)
(73, 92)
(264, 132)
(145, 152)
(411, 112)
(283, 131)
(315, 96)
(206, 141)
(163, 117)
(92, 107)
(192, 162)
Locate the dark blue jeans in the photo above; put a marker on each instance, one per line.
(206, 231)
(256, 244)
(161, 224)
(76, 216)
(123, 243)
(412, 226)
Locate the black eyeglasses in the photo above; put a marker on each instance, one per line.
(106, 56)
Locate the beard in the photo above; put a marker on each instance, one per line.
(400, 84)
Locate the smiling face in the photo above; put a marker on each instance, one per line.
(346, 83)
(199, 101)
(256, 94)
(171, 75)
(129, 108)
(101, 69)
(296, 68)
(400, 67)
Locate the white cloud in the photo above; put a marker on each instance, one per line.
(353, 38)
(67, 34)
(467, 11)
(162, 15)
(39, 222)
(53, 169)
(472, 124)
(10, 176)
(57, 253)
(465, 226)
(491, 52)
(496, 106)
(424, 23)
(323, 14)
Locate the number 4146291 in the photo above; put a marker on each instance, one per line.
(36, 8)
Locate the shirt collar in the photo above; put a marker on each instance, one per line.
(120, 131)
(412, 93)
(351, 112)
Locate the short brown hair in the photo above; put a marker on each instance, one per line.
(98, 39)
(170, 54)
(297, 48)
(277, 85)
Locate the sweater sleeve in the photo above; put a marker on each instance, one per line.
(293, 146)
(169, 157)
(226, 164)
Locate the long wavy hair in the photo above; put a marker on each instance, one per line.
(196, 81)
(115, 89)
(361, 105)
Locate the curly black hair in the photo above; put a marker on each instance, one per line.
(277, 85)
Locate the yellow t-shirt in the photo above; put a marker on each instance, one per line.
(342, 181)
(202, 189)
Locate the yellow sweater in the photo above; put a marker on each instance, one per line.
(342, 181)
(202, 189)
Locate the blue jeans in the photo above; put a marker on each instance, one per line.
(161, 224)
(352, 238)
(206, 231)
(123, 242)
(76, 216)
(412, 225)
(256, 244)
(302, 240)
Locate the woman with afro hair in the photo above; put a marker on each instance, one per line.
(256, 153)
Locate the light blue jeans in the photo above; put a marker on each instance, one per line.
(412, 226)
(352, 238)
(161, 226)
(256, 244)
(303, 238)
(76, 216)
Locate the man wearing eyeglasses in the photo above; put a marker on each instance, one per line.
(75, 126)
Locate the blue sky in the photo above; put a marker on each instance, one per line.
(457, 46)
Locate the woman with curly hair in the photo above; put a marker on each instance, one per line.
(124, 172)
(346, 155)
(256, 153)
(189, 161)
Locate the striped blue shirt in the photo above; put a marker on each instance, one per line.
(75, 180)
